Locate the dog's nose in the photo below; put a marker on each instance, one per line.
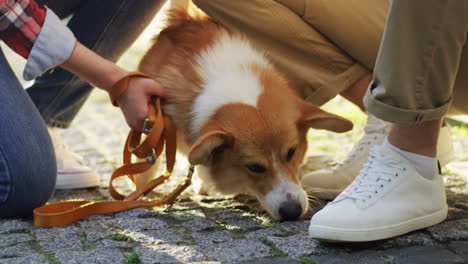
(290, 210)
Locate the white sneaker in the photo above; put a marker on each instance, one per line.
(329, 182)
(387, 199)
(72, 173)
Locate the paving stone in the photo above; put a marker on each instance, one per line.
(298, 245)
(111, 243)
(200, 224)
(281, 260)
(31, 259)
(19, 250)
(263, 233)
(423, 255)
(10, 239)
(460, 248)
(130, 214)
(96, 256)
(56, 233)
(93, 236)
(232, 214)
(20, 253)
(236, 250)
(99, 228)
(456, 214)
(99, 219)
(457, 199)
(243, 223)
(361, 257)
(59, 238)
(160, 236)
(450, 230)
(138, 224)
(15, 225)
(206, 238)
(187, 214)
(62, 245)
(302, 225)
(75, 195)
(411, 239)
(206, 262)
(169, 254)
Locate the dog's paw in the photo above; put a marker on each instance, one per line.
(199, 180)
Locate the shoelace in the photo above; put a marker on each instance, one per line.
(377, 172)
(371, 134)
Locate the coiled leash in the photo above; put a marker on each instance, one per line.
(161, 134)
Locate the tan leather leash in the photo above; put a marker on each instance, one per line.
(161, 134)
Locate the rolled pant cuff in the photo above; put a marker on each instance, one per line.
(402, 116)
(339, 84)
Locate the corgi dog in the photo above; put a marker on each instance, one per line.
(238, 119)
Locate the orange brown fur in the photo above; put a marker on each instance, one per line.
(237, 134)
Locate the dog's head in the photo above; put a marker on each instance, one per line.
(256, 145)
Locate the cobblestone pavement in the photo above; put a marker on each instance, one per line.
(205, 229)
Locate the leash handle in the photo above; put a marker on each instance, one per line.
(162, 135)
(121, 86)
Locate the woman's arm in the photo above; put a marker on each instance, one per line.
(38, 35)
(104, 74)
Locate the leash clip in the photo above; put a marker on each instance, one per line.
(147, 126)
(151, 158)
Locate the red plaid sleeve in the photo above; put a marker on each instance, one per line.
(20, 23)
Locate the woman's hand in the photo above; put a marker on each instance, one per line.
(134, 101)
(104, 74)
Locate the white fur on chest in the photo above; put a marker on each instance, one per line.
(228, 77)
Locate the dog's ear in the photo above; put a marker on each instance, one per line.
(207, 146)
(313, 117)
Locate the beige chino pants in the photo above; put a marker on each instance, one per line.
(324, 46)
(418, 64)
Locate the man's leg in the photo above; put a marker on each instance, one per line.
(400, 189)
(359, 34)
(108, 28)
(317, 67)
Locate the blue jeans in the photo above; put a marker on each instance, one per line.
(27, 160)
(108, 27)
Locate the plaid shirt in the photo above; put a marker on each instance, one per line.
(20, 24)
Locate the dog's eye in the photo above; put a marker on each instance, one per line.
(256, 168)
(290, 155)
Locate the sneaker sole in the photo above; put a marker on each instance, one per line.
(327, 234)
(77, 181)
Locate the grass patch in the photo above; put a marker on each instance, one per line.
(231, 228)
(291, 232)
(265, 220)
(274, 251)
(85, 243)
(119, 236)
(306, 260)
(49, 256)
(134, 258)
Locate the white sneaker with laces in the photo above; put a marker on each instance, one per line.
(388, 198)
(329, 182)
(72, 173)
